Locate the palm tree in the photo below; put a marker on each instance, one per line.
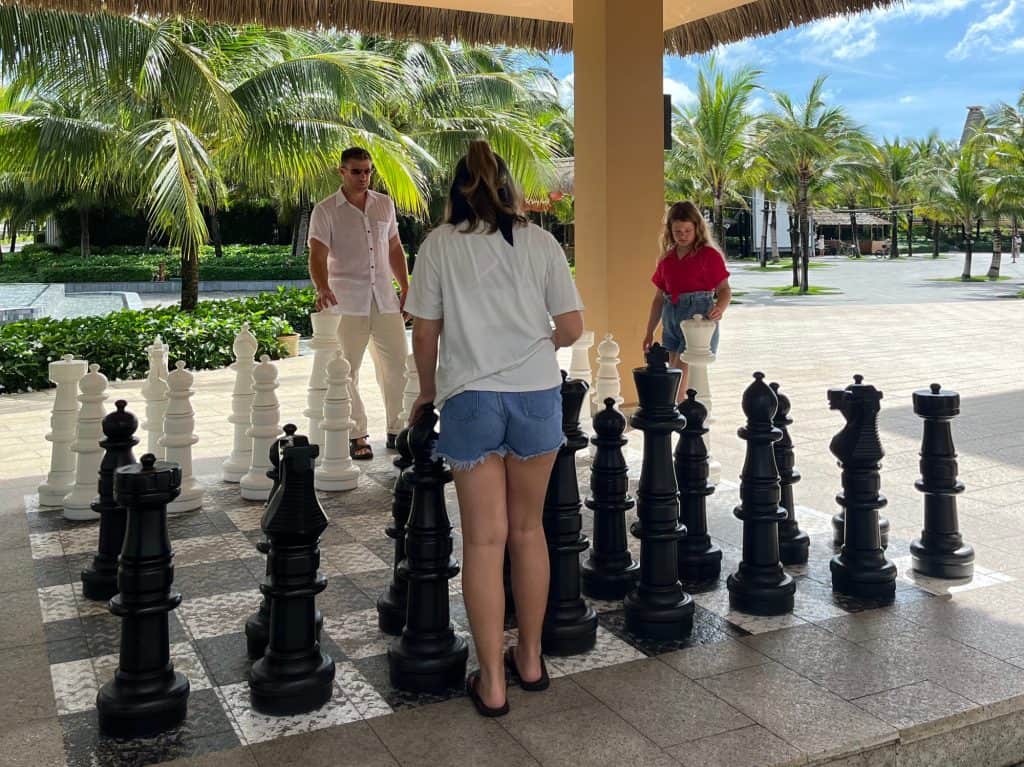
(927, 154)
(1006, 136)
(890, 166)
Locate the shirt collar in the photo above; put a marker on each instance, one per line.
(343, 200)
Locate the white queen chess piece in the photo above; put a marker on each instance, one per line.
(89, 431)
(154, 392)
(337, 471)
(66, 373)
(698, 332)
(237, 464)
(324, 344)
(179, 437)
(266, 427)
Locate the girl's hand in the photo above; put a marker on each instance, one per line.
(716, 312)
(648, 340)
(415, 411)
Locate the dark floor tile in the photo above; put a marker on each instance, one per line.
(707, 629)
(51, 571)
(212, 578)
(103, 633)
(375, 670)
(65, 650)
(45, 521)
(224, 658)
(342, 596)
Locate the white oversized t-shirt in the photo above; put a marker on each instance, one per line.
(496, 301)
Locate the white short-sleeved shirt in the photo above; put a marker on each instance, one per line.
(358, 268)
(496, 301)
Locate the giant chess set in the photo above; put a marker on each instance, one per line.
(293, 591)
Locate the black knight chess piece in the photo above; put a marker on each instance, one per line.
(838, 401)
(700, 560)
(794, 543)
(391, 605)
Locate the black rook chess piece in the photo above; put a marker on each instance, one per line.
(428, 656)
(100, 580)
(699, 559)
(838, 401)
(794, 543)
(760, 585)
(391, 605)
(861, 569)
(570, 624)
(294, 675)
(610, 572)
(146, 695)
(658, 608)
(940, 551)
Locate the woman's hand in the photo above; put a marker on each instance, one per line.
(417, 407)
(648, 341)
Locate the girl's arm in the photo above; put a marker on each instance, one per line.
(653, 318)
(724, 296)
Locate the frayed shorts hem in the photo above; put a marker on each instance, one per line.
(501, 452)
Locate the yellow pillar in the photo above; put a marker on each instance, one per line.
(619, 171)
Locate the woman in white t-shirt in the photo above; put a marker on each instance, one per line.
(486, 287)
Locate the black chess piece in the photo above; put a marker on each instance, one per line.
(146, 695)
(760, 586)
(99, 581)
(610, 572)
(570, 624)
(861, 569)
(658, 608)
(838, 401)
(700, 560)
(506, 584)
(428, 656)
(940, 551)
(391, 604)
(294, 675)
(794, 543)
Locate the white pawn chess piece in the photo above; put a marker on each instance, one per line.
(337, 471)
(89, 431)
(412, 388)
(179, 437)
(237, 464)
(266, 427)
(579, 368)
(608, 383)
(154, 392)
(66, 373)
(698, 332)
(324, 344)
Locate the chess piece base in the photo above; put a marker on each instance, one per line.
(76, 514)
(255, 492)
(794, 550)
(714, 472)
(54, 495)
(699, 566)
(838, 530)
(99, 583)
(335, 484)
(391, 611)
(878, 584)
(749, 596)
(958, 563)
(598, 584)
(659, 622)
(124, 714)
(571, 637)
(281, 692)
(233, 472)
(442, 671)
(257, 631)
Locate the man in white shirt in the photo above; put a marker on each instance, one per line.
(354, 252)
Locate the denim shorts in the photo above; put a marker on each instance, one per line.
(672, 316)
(476, 424)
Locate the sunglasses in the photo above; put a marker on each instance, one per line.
(360, 171)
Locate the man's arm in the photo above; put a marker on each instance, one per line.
(318, 274)
(399, 267)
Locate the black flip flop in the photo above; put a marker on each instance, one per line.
(537, 684)
(360, 452)
(482, 708)
(392, 441)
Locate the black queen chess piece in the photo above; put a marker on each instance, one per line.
(794, 543)
(940, 551)
(658, 608)
(99, 581)
(760, 586)
(700, 560)
(392, 603)
(146, 696)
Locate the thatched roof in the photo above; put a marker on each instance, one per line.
(826, 217)
(394, 19)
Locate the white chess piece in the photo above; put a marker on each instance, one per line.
(579, 370)
(698, 332)
(179, 437)
(608, 383)
(266, 427)
(154, 392)
(337, 471)
(412, 388)
(66, 373)
(89, 431)
(324, 344)
(237, 464)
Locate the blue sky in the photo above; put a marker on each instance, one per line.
(899, 72)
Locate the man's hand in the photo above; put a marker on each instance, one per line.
(402, 295)
(325, 299)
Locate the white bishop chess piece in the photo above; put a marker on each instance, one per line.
(237, 464)
(698, 332)
(579, 370)
(608, 383)
(337, 471)
(66, 373)
(324, 344)
(88, 433)
(179, 437)
(266, 427)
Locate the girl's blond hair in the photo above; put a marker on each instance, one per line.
(684, 210)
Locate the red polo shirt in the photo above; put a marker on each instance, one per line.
(703, 270)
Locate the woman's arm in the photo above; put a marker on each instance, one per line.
(653, 318)
(425, 337)
(724, 296)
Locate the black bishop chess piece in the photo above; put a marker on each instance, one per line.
(838, 401)
(700, 560)
(391, 605)
(609, 572)
(658, 608)
(940, 551)
(146, 695)
(794, 543)
(570, 624)
(99, 581)
(861, 569)
(294, 675)
(760, 586)
(428, 656)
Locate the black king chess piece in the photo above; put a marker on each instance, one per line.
(428, 656)
(146, 695)
(794, 543)
(861, 569)
(838, 401)
(760, 586)
(610, 572)
(100, 580)
(391, 604)
(294, 675)
(570, 624)
(940, 551)
(658, 608)
(700, 560)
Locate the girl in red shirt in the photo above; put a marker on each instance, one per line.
(691, 279)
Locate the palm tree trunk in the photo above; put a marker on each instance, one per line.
(894, 249)
(1015, 247)
(14, 235)
(910, 232)
(148, 244)
(997, 253)
(805, 234)
(719, 224)
(794, 246)
(968, 248)
(301, 228)
(189, 277)
(215, 238)
(936, 230)
(853, 227)
(83, 239)
(764, 236)
(775, 235)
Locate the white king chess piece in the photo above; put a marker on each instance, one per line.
(88, 433)
(698, 332)
(579, 370)
(337, 471)
(179, 437)
(324, 344)
(266, 427)
(66, 373)
(237, 464)
(154, 392)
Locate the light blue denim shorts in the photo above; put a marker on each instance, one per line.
(672, 316)
(476, 424)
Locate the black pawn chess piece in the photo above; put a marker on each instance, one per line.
(391, 604)
(658, 608)
(100, 580)
(146, 695)
(940, 551)
(794, 543)
(861, 569)
(838, 401)
(700, 560)
(760, 586)
(610, 572)
(570, 624)
(428, 656)
(294, 675)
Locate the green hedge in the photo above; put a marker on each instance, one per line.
(118, 341)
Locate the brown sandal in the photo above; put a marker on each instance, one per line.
(359, 452)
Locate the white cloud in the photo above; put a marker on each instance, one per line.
(679, 91)
(994, 33)
(742, 53)
(931, 9)
(841, 37)
(566, 89)
(907, 99)
(757, 105)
